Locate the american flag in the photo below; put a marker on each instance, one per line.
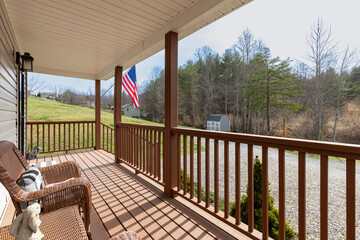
(129, 83)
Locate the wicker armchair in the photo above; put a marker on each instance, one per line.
(73, 192)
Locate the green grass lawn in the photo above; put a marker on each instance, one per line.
(40, 109)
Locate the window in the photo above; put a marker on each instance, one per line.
(127, 109)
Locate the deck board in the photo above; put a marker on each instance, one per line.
(123, 201)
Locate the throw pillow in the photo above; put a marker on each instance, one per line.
(30, 181)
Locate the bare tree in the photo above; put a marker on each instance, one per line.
(35, 84)
(57, 89)
(348, 57)
(322, 56)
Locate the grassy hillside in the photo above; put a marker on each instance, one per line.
(40, 109)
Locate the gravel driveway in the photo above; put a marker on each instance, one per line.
(337, 187)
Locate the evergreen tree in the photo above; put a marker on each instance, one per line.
(274, 86)
(273, 213)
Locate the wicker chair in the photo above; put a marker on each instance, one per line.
(73, 192)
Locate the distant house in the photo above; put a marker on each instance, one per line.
(90, 103)
(53, 96)
(218, 122)
(129, 111)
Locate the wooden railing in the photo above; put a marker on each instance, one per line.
(303, 147)
(60, 136)
(107, 138)
(142, 147)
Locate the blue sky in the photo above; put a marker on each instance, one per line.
(282, 24)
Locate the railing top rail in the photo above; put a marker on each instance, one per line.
(317, 147)
(107, 126)
(57, 122)
(142, 126)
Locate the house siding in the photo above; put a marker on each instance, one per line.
(8, 91)
(129, 111)
(8, 80)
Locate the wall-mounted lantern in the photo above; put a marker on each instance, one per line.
(26, 61)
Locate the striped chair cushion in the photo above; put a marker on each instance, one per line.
(30, 181)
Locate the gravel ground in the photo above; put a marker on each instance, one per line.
(337, 187)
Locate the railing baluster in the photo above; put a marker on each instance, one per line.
(198, 169)
(43, 138)
(350, 199)
(159, 156)
(324, 196)
(59, 130)
(226, 187)
(103, 137)
(48, 147)
(207, 172)
(126, 143)
(129, 146)
(191, 167)
(54, 137)
(64, 136)
(92, 135)
(144, 150)
(155, 154)
(120, 139)
(136, 147)
(73, 136)
(88, 134)
(250, 188)
(107, 139)
(185, 164)
(69, 137)
(83, 135)
(132, 147)
(178, 142)
(302, 196)
(31, 137)
(216, 175)
(151, 153)
(237, 184)
(148, 151)
(78, 146)
(282, 233)
(265, 193)
(37, 135)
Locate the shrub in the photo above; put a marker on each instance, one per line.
(273, 212)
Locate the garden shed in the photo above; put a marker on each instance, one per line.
(218, 122)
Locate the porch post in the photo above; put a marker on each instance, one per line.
(97, 114)
(117, 108)
(171, 112)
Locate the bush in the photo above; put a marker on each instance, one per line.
(273, 212)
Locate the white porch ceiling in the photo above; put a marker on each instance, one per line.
(88, 38)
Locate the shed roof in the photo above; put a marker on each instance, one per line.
(87, 39)
(127, 105)
(215, 117)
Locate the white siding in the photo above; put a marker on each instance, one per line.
(8, 80)
(8, 91)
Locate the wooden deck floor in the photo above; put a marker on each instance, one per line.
(123, 201)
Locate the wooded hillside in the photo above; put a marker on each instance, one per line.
(263, 94)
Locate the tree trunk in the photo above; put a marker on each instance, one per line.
(337, 113)
(268, 108)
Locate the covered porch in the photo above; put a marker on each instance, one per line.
(123, 201)
(136, 170)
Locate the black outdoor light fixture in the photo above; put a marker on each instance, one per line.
(26, 62)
